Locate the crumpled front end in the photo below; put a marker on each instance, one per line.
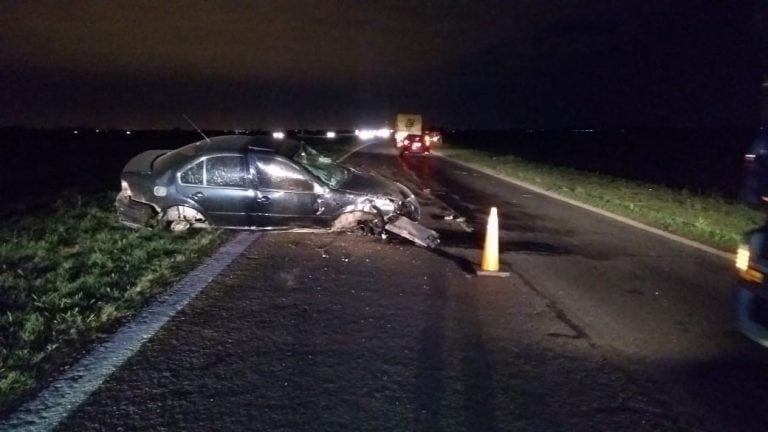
(408, 207)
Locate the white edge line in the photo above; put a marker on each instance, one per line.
(634, 223)
(69, 390)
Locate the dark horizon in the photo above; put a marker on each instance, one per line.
(334, 65)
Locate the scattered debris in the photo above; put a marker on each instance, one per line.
(413, 231)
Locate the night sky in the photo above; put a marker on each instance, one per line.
(348, 64)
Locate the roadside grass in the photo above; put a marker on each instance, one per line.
(706, 218)
(69, 274)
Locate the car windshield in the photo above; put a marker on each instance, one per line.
(323, 167)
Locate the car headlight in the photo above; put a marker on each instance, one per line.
(746, 272)
(742, 257)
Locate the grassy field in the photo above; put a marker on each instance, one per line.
(709, 219)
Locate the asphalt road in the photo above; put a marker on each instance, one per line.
(601, 326)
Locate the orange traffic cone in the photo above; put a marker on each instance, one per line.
(490, 263)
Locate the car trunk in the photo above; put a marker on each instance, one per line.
(143, 162)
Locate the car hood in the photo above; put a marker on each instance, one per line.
(372, 184)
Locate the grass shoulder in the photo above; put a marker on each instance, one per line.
(69, 275)
(708, 219)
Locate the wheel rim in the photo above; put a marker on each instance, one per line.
(179, 226)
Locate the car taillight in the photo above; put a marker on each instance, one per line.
(124, 188)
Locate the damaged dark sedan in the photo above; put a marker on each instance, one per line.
(262, 183)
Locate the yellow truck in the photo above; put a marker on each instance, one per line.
(407, 124)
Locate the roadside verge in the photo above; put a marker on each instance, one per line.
(710, 224)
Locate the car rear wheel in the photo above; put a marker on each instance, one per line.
(182, 218)
(179, 226)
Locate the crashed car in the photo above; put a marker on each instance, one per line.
(262, 183)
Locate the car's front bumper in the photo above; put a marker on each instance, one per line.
(133, 213)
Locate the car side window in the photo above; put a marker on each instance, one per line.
(278, 174)
(219, 171)
(194, 174)
(225, 171)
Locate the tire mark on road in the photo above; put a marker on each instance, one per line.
(658, 406)
(430, 387)
(476, 369)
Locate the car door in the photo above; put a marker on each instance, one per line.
(222, 187)
(287, 195)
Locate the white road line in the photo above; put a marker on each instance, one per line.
(69, 390)
(634, 223)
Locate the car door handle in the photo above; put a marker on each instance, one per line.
(319, 206)
(264, 199)
(197, 195)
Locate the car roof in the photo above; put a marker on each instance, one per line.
(240, 143)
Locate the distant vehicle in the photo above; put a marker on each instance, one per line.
(262, 183)
(406, 124)
(433, 138)
(414, 144)
(752, 254)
